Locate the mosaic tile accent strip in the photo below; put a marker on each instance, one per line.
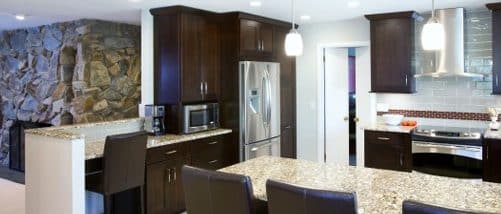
(439, 114)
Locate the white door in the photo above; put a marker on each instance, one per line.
(366, 112)
(336, 106)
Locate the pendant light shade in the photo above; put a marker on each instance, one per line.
(433, 34)
(293, 40)
(293, 43)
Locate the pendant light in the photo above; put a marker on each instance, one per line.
(293, 40)
(433, 34)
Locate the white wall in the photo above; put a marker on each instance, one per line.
(314, 34)
(146, 60)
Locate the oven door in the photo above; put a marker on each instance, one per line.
(459, 161)
(201, 117)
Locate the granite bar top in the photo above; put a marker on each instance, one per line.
(378, 191)
(68, 132)
(95, 149)
(387, 128)
(491, 134)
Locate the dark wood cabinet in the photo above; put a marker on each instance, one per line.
(213, 153)
(164, 190)
(287, 95)
(496, 47)
(392, 50)
(492, 160)
(256, 38)
(388, 150)
(186, 55)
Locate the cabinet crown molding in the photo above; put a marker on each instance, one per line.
(494, 6)
(396, 15)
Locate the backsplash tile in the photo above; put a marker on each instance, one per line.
(453, 94)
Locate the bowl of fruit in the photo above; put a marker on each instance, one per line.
(408, 123)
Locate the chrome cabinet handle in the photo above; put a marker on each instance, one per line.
(406, 80)
(175, 175)
(168, 173)
(383, 138)
(497, 80)
(262, 45)
(487, 152)
(258, 45)
(171, 152)
(255, 149)
(205, 87)
(401, 159)
(212, 143)
(212, 162)
(202, 88)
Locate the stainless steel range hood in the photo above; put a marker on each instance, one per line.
(450, 60)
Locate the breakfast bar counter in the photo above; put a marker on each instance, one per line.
(378, 191)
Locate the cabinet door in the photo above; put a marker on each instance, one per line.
(385, 150)
(213, 153)
(287, 80)
(492, 160)
(266, 37)
(191, 52)
(160, 187)
(210, 60)
(288, 142)
(496, 51)
(392, 48)
(249, 36)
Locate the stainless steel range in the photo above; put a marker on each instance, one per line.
(448, 151)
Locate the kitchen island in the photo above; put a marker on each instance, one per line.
(378, 191)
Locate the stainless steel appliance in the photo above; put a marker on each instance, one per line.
(200, 117)
(259, 109)
(154, 119)
(448, 151)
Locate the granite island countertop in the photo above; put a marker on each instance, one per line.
(378, 191)
(387, 128)
(95, 149)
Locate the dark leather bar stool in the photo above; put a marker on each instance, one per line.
(290, 199)
(414, 207)
(212, 192)
(124, 162)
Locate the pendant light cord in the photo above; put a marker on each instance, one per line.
(293, 15)
(433, 18)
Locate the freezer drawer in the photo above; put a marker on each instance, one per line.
(266, 148)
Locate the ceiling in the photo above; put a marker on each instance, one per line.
(49, 11)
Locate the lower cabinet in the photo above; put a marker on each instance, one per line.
(492, 160)
(288, 142)
(164, 189)
(387, 150)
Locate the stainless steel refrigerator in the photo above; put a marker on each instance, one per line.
(259, 109)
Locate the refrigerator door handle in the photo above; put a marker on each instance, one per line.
(268, 96)
(264, 104)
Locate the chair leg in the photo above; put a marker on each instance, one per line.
(107, 204)
(141, 195)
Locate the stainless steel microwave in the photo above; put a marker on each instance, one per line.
(200, 117)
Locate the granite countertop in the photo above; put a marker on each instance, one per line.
(378, 191)
(65, 132)
(490, 134)
(387, 128)
(96, 149)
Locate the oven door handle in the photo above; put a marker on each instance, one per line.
(465, 151)
(423, 144)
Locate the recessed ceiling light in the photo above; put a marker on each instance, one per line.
(20, 17)
(353, 4)
(255, 3)
(305, 17)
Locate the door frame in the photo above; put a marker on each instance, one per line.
(321, 155)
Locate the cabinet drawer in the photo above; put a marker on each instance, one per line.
(212, 143)
(163, 153)
(395, 139)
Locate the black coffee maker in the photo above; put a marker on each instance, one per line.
(154, 119)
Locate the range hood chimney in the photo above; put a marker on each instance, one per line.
(450, 60)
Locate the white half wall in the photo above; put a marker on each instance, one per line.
(146, 60)
(346, 31)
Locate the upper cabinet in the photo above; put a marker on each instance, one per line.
(496, 47)
(256, 38)
(186, 55)
(392, 50)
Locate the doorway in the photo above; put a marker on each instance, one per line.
(346, 105)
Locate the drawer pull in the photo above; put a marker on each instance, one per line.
(255, 149)
(212, 162)
(383, 138)
(212, 143)
(171, 152)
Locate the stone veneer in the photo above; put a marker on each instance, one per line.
(454, 94)
(73, 72)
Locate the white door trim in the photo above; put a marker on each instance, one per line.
(321, 91)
